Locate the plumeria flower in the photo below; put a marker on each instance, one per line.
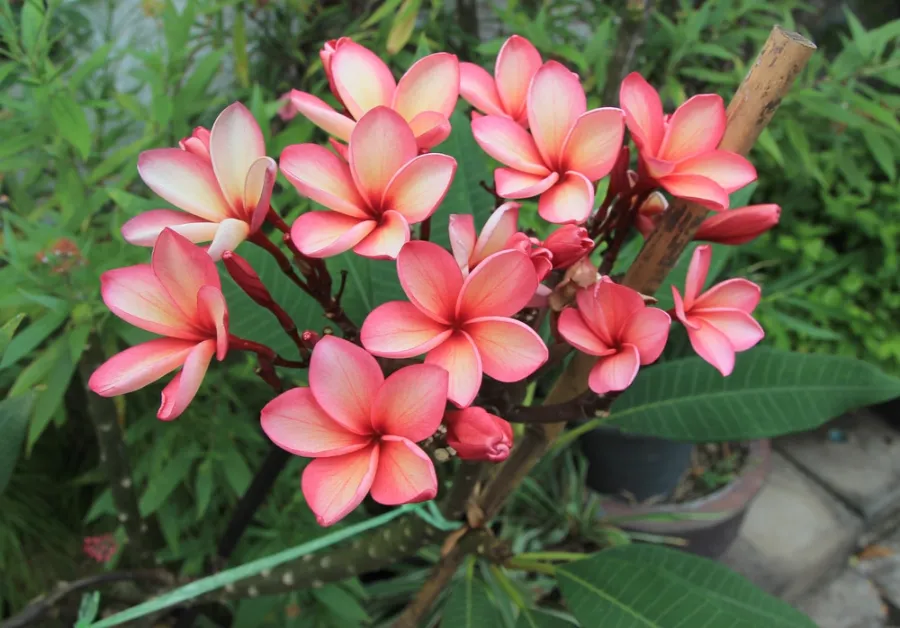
(613, 323)
(505, 93)
(374, 198)
(221, 178)
(361, 429)
(679, 151)
(176, 295)
(733, 227)
(567, 150)
(463, 325)
(568, 244)
(476, 434)
(718, 321)
(425, 96)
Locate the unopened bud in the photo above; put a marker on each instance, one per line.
(476, 434)
(649, 213)
(568, 244)
(246, 278)
(579, 275)
(310, 338)
(739, 226)
(197, 143)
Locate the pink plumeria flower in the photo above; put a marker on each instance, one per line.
(567, 150)
(463, 325)
(505, 93)
(361, 429)
(476, 434)
(568, 244)
(613, 323)
(177, 295)
(425, 96)
(374, 199)
(495, 236)
(680, 151)
(221, 178)
(718, 321)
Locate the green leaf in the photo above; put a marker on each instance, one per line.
(25, 341)
(469, 606)
(881, 151)
(94, 62)
(341, 603)
(237, 473)
(9, 328)
(71, 122)
(14, 413)
(164, 482)
(32, 20)
(203, 488)
(769, 393)
(239, 43)
(648, 586)
(532, 618)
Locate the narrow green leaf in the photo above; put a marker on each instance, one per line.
(14, 413)
(337, 600)
(31, 21)
(163, 483)
(96, 60)
(881, 151)
(806, 328)
(239, 43)
(237, 473)
(769, 393)
(533, 618)
(648, 586)
(9, 328)
(469, 606)
(25, 341)
(386, 9)
(203, 487)
(71, 122)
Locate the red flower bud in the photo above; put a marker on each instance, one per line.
(568, 244)
(197, 143)
(540, 256)
(310, 338)
(739, 226)
(246, 278)
(476, 434)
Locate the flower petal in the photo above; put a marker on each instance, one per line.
(607, 307)
(679, 308)
(740, 294)
(344, 379)
(323, 234)
(509, 349)
(501, 285)
(235, 142)
(458, 356)
(730, 170)
(742, 331)
(736, 226)
(212, 314)
(430, 128)
(419, 186)
(462, 238)
(405, 473)
(696, 275)
(555, 100)
(380, 145)
(135, 295)
(397, 329)
(411, 402)
(477, 87)
(322, 176)
(643, 112)
(696, 127)
(692, 187)
(516, 184)
(615, 372)
(185, 180)
(143, 229)
(362, 80)
(322, 114)
(295, 422)
(517, 62)
(258, 191)
(569, 201)
(510, 144)
(385, 240)
(183, 268)
(648, 330)
(577, 333)
(430, 278)
(334, 486)
(711, 345)
(138, 366)
(179, 393)
(229, 235)
(592, 146)
(430, 84)
(497, 231)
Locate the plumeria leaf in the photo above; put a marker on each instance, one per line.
(686, 590)
(532, 618)
(469, 605)
(769, 393)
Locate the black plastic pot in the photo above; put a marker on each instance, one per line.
(635, 467)
(890, 412)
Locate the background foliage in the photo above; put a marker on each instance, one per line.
(86, 85)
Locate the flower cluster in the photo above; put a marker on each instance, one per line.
(473, 312)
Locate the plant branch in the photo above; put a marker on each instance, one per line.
(586, 406)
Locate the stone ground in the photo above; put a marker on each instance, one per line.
(824, 533)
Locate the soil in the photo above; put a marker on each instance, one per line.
(713, 466)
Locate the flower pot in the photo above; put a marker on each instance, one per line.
(639, 467)
(890, 412)
(706, 537)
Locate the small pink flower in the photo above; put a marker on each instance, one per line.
(464, 325)
(718, 321)
(361, 429)
(476, 434)
(567, 150)
(100, 548)
(517, 62)
(222, 180)
(385, 188)
(613, 323)
(177, 295)
(680, 151)
(425, 96)
(568, 244)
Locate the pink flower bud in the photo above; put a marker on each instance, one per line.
(246, 278)
(540, 256)
(568, 244)
(476, 434)
(739, 226)
(310, 338)
(648, 215)
(197, 143)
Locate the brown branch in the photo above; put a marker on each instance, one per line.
(583, 407)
